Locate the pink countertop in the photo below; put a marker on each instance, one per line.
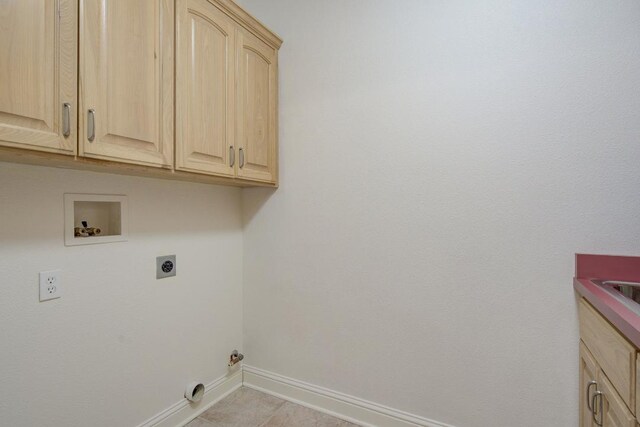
(609, 267)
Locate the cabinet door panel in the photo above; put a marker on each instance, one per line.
(38, 74)
(637, 404)
(126, 75)
(615, 412)
(204, 89)
(615, 355)
(257, 108)
(588, 372)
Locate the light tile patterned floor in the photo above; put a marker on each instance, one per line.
(250, 408)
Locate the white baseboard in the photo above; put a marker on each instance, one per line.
(337, 404)
(183, 411)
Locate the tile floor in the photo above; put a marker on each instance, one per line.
(250, 408)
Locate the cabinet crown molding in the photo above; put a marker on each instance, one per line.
(243, 17)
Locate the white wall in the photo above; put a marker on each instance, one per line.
(119, 346)
(442, 161)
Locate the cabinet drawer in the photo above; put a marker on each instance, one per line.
(615, 355)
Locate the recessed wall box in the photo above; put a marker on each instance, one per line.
(95, 218)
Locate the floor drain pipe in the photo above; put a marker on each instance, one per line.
(194, 391)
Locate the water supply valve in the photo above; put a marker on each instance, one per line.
(235, 357)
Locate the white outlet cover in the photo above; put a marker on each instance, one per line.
(50, 286)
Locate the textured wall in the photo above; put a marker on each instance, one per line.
(119, 346)
(441, 163)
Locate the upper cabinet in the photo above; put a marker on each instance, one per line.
(226, 95)
(178, 89)
(205, 79)
(257, 108)
(126, 81)
(38, 75)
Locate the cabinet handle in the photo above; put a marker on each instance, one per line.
(241, 157)
(591, 383)
(600, 408)
(66, 119)
(91, 125)
(232, 155)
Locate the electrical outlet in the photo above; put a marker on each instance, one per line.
(50, 287)
(165, 266)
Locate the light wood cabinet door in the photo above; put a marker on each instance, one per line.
(205, 69)
(126, 80)
(38, 74)
(614, 354)
(257, 108)
(637, 404)
(588, 385)
(611, 410)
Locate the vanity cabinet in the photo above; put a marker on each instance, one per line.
(126, 81)
(607, 373)
(38, 75)
(176, 89)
